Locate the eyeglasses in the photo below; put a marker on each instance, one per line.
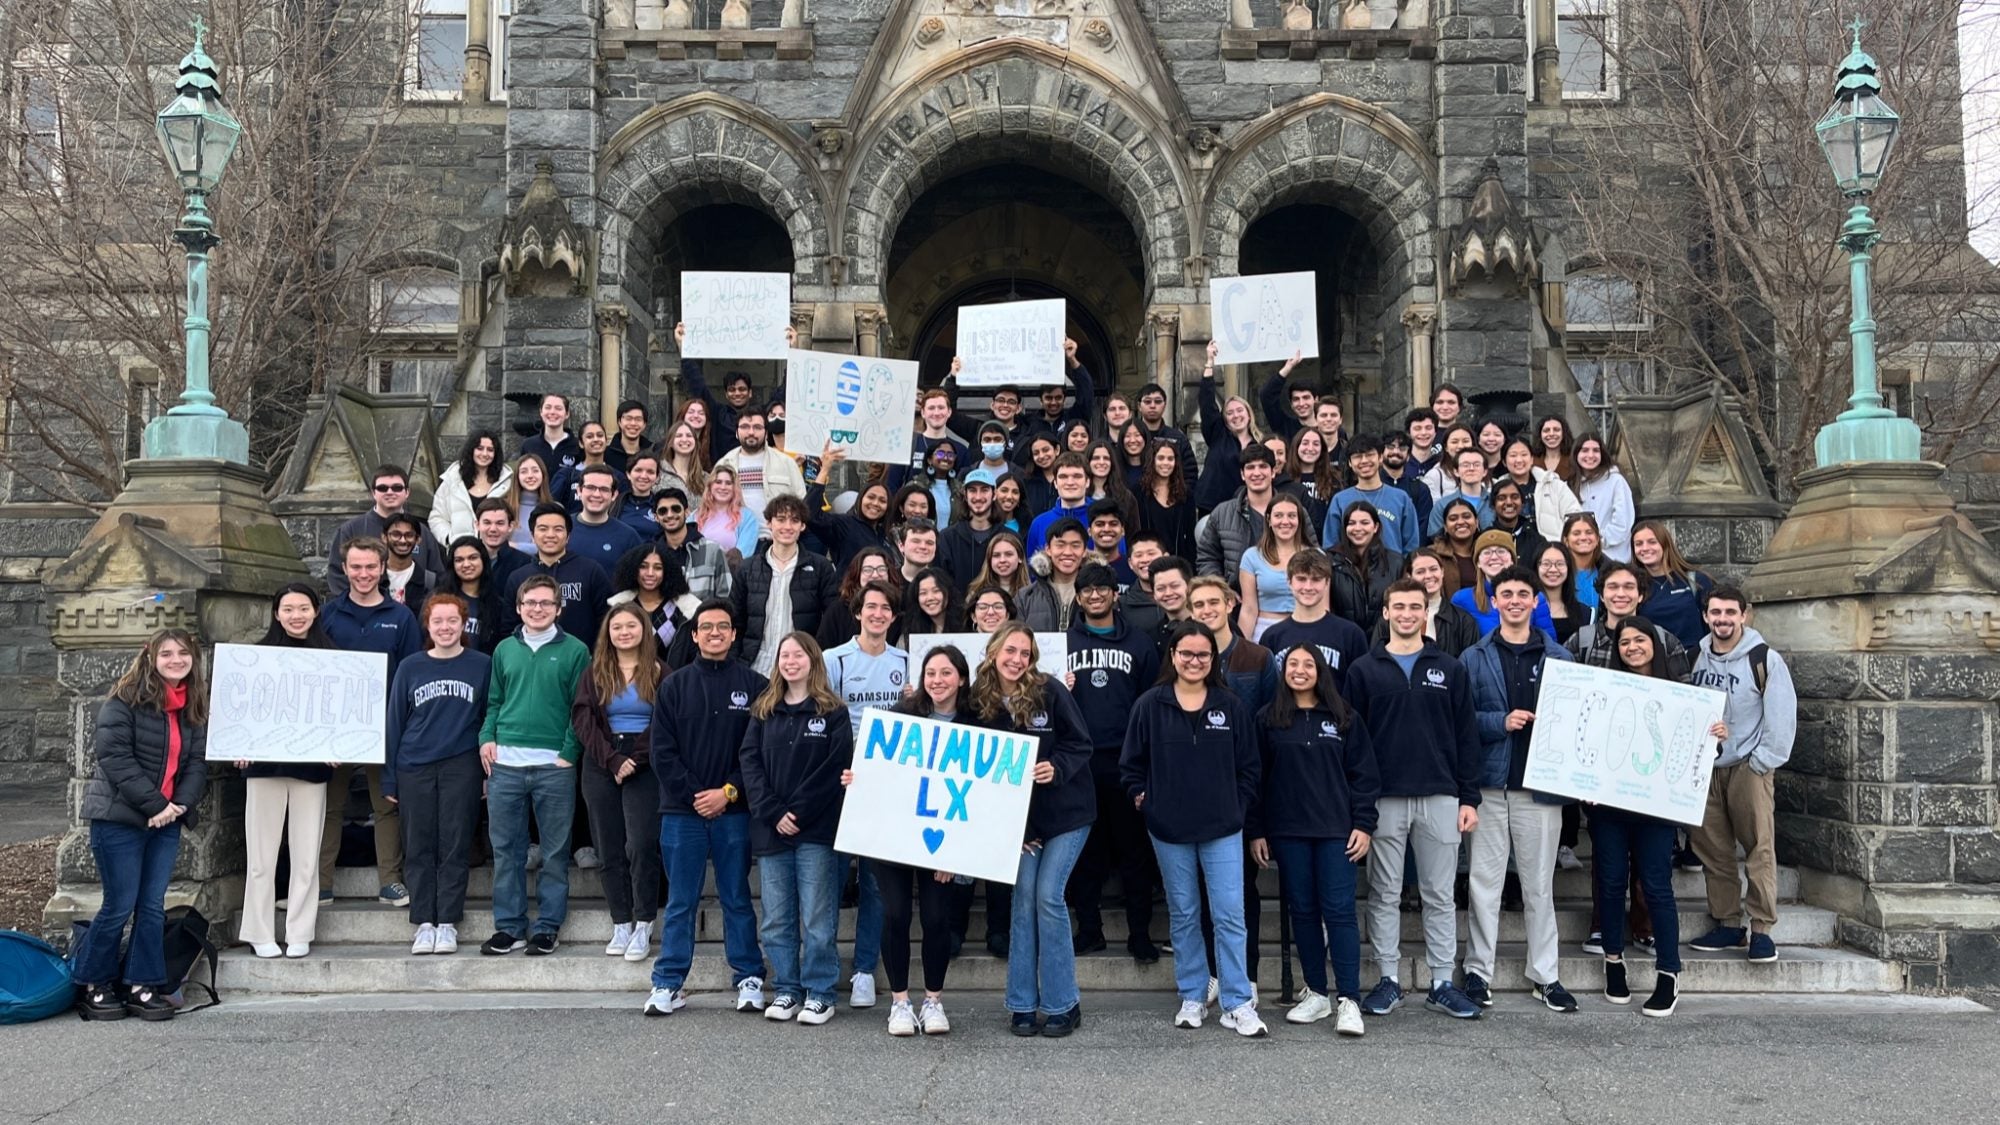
(1193, 657)
(714, 627)
(538, 603)
(595, 488)
(392, 488)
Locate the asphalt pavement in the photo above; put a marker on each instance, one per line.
(552, 1059)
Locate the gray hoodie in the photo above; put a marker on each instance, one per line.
(1761, 725)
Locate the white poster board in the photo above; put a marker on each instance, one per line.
(1054, 649)
(1264, 317)
(1012, 344)
(1628, 741)
(310, 705)
(735, 315)
(939, 796)
(864, 405)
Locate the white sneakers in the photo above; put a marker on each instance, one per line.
(267, 950)
(932, 1017)
(863, 993)
(299, 949)
(902, 1021)
(665, 1001)
(621, 937)
(750, 995)
(1243, 1020)
(640, 948)
(816, 1012)
(1347, 1018)
(1311, 1008)
(1566, 859)
(1190, 1015)
(447, 938)
(1214, 990)
(426, 940)
(586, 858)
(782, 1009)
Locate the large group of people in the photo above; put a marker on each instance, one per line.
(648, 650)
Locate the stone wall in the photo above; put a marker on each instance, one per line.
(34, 704)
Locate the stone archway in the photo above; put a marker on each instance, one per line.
(1018, 102)
(1373, 177)
(697, 151)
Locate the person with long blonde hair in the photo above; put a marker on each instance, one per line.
(799, 743)
(613, 716)
(723, 518)
(684, 459)
(151, 742)
(1005, 568)
(1009, 694)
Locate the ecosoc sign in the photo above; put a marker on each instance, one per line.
(939, 796)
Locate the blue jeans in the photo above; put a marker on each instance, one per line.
(802, 898)
(688, 845)
(134, 864)
(511, 792)
(1318, 881)
(1041, 956)
(867, 917)
(1182, 869)
(1624, 840)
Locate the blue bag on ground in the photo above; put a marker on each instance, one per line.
(34, 979)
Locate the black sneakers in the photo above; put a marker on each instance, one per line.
(1665, 997)
(501, 943)
(100, 1002)
(149, 1004)
(541, 945)
(1555, 996)
(1614, 983)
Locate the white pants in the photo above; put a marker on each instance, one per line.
(1428, 826)
(266, 801)
(1512, 822)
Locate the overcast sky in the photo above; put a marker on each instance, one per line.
(1979, 49)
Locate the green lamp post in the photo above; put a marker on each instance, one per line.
(198, 135)
(1856, 134)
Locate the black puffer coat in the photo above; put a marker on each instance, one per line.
(132, 762)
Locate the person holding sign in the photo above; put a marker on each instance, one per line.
(700, 717)
(1625, 840)
(284, 800)
(1229, 428)
(1190, 764)
(944, 694)
(432, 770)
(1505, 668)
(799, 743)
(1314, 819)
(151, 771)
(1009, 694)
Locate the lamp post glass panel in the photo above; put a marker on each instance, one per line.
(1856, 134)
(198, 135)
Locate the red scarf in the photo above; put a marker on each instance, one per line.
(176, 699)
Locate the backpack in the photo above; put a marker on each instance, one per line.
(35, 981)
(1760, 666)
(186, 944)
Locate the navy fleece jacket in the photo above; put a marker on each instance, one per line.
(791, 763)
(1197, 770)
(700, 715)
(1422, 726)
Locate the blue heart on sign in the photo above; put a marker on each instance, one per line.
(933, 839)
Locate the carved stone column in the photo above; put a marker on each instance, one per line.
(1166, 324)
(1418, 321)
(869, 321)
(478, 51)
(611, 322)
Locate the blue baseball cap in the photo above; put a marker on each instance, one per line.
(980, 476)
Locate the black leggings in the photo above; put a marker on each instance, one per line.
(898, 885)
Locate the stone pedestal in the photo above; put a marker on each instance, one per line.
(1887, 606)
(190, 544)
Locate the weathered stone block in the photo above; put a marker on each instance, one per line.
(1825, 675)
(1955, 806)
(1702, 541)
(1748, 538)
(1972, 960)
(1911, 856)
(1955, 676)
(1975, 857)
(1942, 742)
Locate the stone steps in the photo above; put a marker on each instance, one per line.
(582, 967)
(352, 921)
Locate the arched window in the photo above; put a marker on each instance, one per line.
(415, 316)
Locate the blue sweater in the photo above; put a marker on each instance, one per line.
(1423, 727)
(435, 709)
(605, 543)
(1402, 531)
(387, 627)
(1491, 703)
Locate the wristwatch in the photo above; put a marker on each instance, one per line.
(730, 792)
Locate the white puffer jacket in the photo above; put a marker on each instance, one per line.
(1609, 498)
(1554, 503)
(452, 504)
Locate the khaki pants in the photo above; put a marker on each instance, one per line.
(388, 827)
(296, 809)
(1740, 811)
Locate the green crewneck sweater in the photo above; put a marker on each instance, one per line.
(529, 693)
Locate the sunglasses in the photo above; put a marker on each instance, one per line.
(392, 488)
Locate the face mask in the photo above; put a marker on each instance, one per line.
(993, 450)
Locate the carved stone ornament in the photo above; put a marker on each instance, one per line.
(829, 139)
(1495, 242)
(1204, 139)
(1098, 32)
(1297, 16)
(735, 15)
(1355, 15)
(930, 30)
(679, 16)
(541, 238)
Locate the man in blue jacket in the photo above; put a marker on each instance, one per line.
(1417, 704)
(582, 581)
(1506, 672)
(1111, 664)
(699, 716)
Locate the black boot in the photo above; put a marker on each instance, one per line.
(1614, 983)
(149, 1004)
(100, 1002)
(1666, 996)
